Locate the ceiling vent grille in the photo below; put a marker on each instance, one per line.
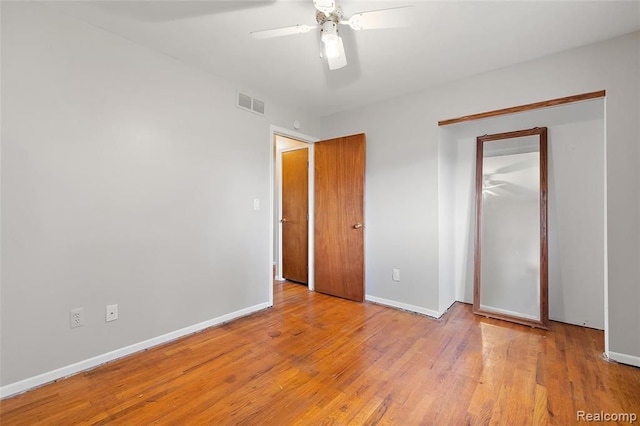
(248, 103)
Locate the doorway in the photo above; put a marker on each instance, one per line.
(286, 141)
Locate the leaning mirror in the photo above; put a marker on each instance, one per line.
(510, 281)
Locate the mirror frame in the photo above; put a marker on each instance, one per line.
(543, 321)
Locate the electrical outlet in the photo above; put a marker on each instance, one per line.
(111, 313)
(76, 317)
(395, 274)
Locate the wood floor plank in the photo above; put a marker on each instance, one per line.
(315, 359)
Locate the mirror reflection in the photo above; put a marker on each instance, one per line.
(511, 232)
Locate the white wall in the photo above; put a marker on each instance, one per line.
(450, 259)
(129, 178)
(1, 79)
(576, 223)
(402, 171)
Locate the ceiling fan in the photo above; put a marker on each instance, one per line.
(328, 16)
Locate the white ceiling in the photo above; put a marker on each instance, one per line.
(447, 40)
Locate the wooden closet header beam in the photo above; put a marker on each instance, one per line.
(527, 107)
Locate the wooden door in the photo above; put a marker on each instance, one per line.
(339, 216)
(295, 215)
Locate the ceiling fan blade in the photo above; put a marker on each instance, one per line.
(337, 59)
(497, 185)
(377, 19)
(284, 31)
(516, 167)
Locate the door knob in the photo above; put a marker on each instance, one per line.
(358, 226)
(284, 220)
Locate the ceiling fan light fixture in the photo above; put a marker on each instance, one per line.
(325, 6)
(329, 32)
(332, 48)
(334, 52)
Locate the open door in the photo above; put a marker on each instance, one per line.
(295, 215)
(339, 167)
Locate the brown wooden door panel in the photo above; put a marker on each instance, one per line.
(295, 214)
(339, 177)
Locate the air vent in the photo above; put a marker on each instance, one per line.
(258, 106)
(244, 101)
(248, 103)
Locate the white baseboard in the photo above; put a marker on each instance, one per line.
(405, 306)
(624, 358)
(69, 370)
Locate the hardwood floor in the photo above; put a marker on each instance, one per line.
(315, 359)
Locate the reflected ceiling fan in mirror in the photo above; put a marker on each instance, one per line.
(328, 16)
(488, 186)
(500, 179)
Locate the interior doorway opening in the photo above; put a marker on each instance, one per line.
(283, 141)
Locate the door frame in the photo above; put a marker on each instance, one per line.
(310, 140)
